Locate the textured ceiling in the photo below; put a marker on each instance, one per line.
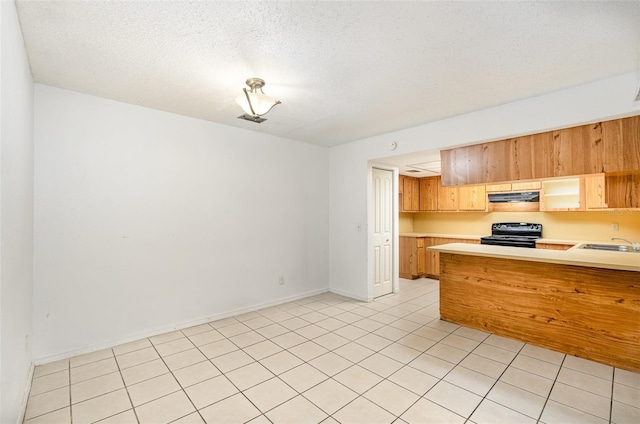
(343, 70)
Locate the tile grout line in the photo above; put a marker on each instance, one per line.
(551, 389)
(135, 413)
(613, 385)
(70, 400)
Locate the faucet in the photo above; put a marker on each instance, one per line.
(634, 245)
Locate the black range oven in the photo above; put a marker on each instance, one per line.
(515, 234)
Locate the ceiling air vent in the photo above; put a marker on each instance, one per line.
(412, 171)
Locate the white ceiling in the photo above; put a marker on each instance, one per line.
(417, 164)
(343, 70)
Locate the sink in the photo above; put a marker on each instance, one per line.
(611, 247)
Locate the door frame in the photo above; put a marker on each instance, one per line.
(395, 228)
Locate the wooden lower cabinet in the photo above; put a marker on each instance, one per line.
(412, 257)
(554, 246)
(432, 259)
(417, 261)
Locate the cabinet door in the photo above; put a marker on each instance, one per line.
(410, 195)
(420, 257)
(578, 150)
(522, 158)
(496, 156)
(438, 241)
(623, 191)
(594, 192)
(498, 187)
(431, 258)
(406, 256)
(543, 161)
(447, 198)
(472, 198)
(621, 145)
(429, 193)
(527, 185)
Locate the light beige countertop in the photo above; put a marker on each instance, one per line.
(452, 236)
(627, 261)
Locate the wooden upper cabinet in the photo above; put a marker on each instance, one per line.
(472, 198)
(498, 187)
(429, 193)
(447, 198)
(578, 150)
(521, 159)
(526, 185)
(496, 159)
(595, 192)
(610, 147)
(543, 162)
(621, 145)
(410, 194)
(623, 191)
(465, 164)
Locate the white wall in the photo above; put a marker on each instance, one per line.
(145, 220)
(16, 215)
(600, 100)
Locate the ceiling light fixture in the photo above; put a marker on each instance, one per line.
(255, 102)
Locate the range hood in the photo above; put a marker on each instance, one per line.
(525, 201)
(525, 196)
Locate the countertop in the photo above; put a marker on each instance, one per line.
(626, 261)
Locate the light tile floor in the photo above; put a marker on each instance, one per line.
(331, 359)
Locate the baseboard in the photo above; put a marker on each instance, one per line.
(180, 326)
(351, 295)
(25, 397)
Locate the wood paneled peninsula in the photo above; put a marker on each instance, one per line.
(580, 302)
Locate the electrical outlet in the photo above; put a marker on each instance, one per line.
(281, 282)
(615, 226)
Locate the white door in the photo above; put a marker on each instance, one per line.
(382, 231)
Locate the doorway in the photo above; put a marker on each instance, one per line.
(382, 235)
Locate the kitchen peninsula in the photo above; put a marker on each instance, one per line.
(580, 302)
